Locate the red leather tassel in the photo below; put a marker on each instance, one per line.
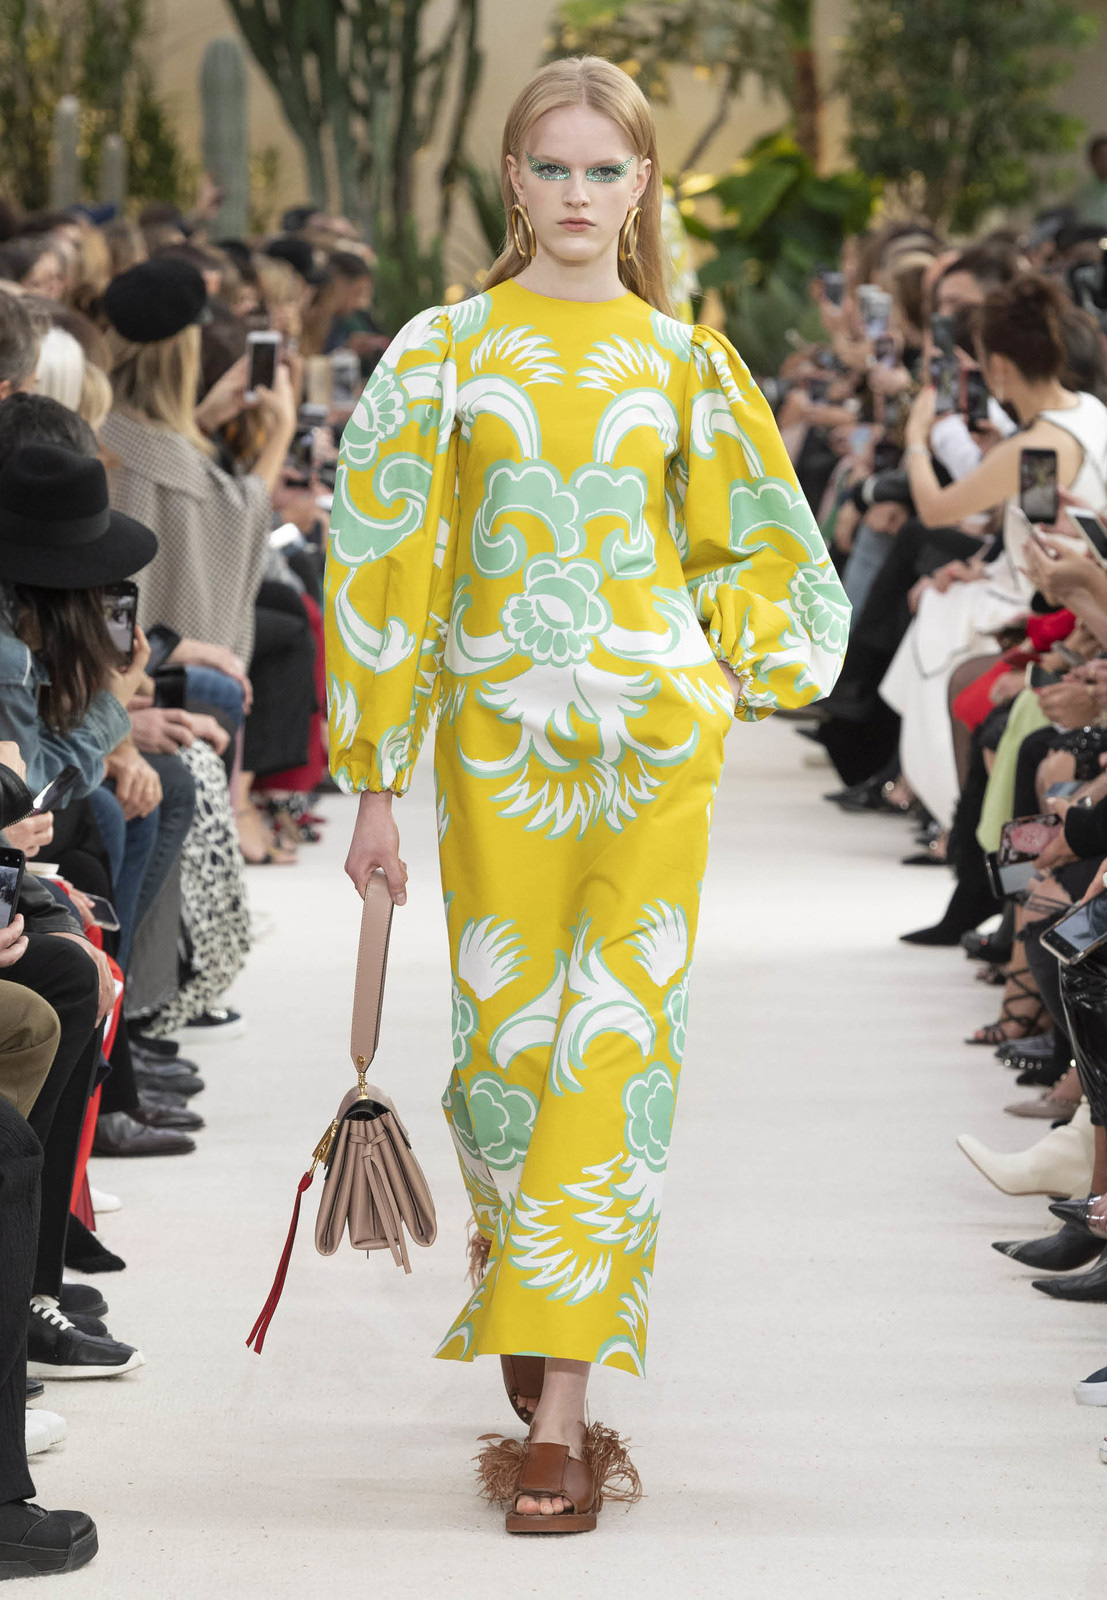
(261, 1326)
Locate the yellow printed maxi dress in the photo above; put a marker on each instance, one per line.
(551, 521)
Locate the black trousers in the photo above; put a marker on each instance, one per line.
(861, 735)
(61, 973)
(20, 1173)
(282, 671)
(1084, 992)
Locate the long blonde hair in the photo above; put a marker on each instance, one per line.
(591, 81)
(158, 382)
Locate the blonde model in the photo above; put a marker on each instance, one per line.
(566, 527)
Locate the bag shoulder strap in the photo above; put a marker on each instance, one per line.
(372, 959)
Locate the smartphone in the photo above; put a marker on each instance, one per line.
(1008, 881)
(1093, 530)
(976, 398)
(860, 438)
(834, 285)
(884, 350)
(945, 375)
(56, 790)
(1063, 791)
(104, 914)
(942, 333)
(171, 689)
(818, 389)
(1038, 677)
(120, 611)
(1078, 932)
(876, 309)
(346, 382)
(1024, 838)
(262, 349)
(12, 864)
(1038, 485)
(162, 641)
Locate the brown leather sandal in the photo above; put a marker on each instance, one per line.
(523, 1375)
(523, 1380)
(510, 1469)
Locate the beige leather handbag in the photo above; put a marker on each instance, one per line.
(374, 1187)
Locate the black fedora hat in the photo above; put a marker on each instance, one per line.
(57, 529)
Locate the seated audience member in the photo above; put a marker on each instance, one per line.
(35, 266)
(19, 346)
(214, 526)
(32, 1541)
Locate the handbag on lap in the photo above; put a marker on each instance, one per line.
(374, 1188)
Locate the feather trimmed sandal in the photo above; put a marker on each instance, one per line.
(510, 1470)
(523, 1376)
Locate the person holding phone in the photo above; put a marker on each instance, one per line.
(214, 526)
(1024, 358)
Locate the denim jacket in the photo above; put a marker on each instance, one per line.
(105, 725)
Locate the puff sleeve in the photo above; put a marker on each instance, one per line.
(756, 567)
(388, 559)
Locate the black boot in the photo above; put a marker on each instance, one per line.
(1085, 1286)
(1058, 1252)
(967, 908)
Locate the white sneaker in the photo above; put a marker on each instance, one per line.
(44, 1428)
(102, 1202)
(1093, 1390)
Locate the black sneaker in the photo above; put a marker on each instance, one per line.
(34, 1542)
(83, 1298)
(35, 1388)
(57, 1349)
(217, 1022)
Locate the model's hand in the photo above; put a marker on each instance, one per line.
(376, 843)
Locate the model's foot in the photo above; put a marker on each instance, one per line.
(543, 1432)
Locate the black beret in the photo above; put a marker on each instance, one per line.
(299, 256)
(156, 300)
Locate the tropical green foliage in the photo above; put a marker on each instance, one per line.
(92, 49)
(781, 220)
(954, 101)
(372, 85)
(727, 42)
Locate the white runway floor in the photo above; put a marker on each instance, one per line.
(851, 1395)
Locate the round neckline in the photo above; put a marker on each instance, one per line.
(559, 300)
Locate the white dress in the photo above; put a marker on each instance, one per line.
(951, 628)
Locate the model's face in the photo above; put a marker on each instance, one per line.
(577, 178)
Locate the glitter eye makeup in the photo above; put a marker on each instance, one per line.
(557, 172)
(552, 171)
(610, 173)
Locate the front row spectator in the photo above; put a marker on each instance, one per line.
(32, 1541)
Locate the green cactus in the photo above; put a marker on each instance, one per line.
(226, 141)
(113, 171)
(65, 168)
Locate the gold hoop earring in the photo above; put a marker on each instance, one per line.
(528, 245)
(628, 234)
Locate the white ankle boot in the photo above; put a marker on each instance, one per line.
(1060, 1164)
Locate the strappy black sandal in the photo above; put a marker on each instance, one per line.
(1029, 1022)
